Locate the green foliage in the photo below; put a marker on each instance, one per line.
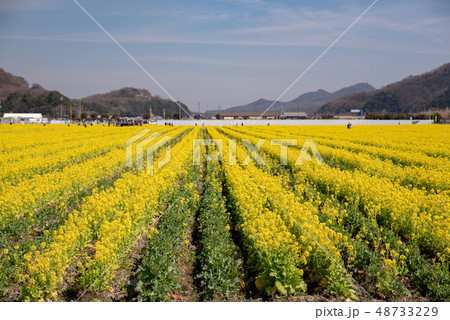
(46, 103)
(441, 102)
(125, 102)
(383, 101)
(413, 94)
(433, 280)
(158, 274)
(219, 274)
(280, 277)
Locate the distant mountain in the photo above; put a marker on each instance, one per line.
(258, 105)
(311, 97)
(17, 96)
(410, 95)
(130, 102)
(10, 83)
(306, 102)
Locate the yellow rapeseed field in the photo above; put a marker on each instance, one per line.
(266, 212)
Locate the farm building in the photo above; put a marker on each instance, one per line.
(229, 115)
(23, 118)
(293, 115)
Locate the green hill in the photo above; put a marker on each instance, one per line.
(130, 102)
(17, 96)
(413, 94)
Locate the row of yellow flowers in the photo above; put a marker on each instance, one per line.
(26, 141)
(412, 214)
(150, 196)
(313, 241)
(41, 190)
(434, 180)
(429, 140)
(33, 161)
(112, 217)
(381, 150)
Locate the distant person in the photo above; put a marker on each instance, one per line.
(349, 125)
(242, 124)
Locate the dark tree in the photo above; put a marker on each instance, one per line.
(383, 101)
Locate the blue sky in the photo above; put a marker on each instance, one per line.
(227, 52)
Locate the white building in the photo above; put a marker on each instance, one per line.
(23, 118)
(293, 115)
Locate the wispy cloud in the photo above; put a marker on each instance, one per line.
(244, 39)
(208, 61)
(302, 40)
(28, 5)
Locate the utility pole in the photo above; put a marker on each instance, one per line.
(61, 99)
(198, 110)
(150, 108)
(179, 112)
(70, 104)
(80, 110)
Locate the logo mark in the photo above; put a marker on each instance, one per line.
(141, 142)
